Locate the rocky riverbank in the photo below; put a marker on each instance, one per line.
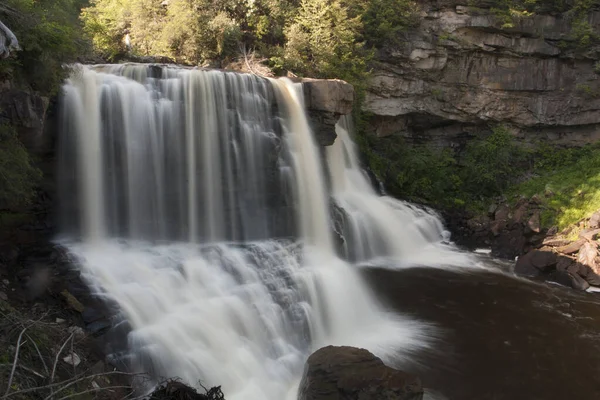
(514, 231)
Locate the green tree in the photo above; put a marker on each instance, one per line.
(384, 20)
(322, 42)
(50, 37)
(106, 23)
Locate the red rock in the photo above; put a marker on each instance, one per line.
(555, 242)
(571, 248)
(587, 255)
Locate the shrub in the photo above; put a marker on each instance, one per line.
(49, 35)
(384, 20)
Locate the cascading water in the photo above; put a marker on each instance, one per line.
(196, 201)
(380, 226)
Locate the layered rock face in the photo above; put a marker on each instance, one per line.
(349, 373)
(25, 110)
(326, 100)
(461, 70)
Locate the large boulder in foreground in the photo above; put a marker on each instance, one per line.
(349, 373)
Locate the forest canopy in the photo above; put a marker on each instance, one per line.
(319, 38)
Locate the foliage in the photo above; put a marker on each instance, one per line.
(441, 177)
(568, 181)
(316, 38)
(321, 42)
(18, 175)
(186, 30)
(49, 35)
(491, 164)
(384, 20)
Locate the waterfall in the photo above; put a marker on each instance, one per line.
(197, 202)
(377, 226)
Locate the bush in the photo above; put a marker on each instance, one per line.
(384, 20)
(321, 42)
(444, 178)
(18, 175)
(567, 181)
(49, 35)
(492, 164)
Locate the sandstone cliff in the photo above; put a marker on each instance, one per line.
(462, 69)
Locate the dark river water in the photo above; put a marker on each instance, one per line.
(501, 338)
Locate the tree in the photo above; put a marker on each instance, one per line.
(322, 41)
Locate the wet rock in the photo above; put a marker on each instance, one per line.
(569, 279)
(564, 263)
(98, 327)
(592, 277)
(72, 302)
(536, 262)
(91, 314)
(349, 373)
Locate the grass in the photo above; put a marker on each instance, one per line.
(569, 193)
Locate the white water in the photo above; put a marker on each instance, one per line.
(197, 202)
(380, 226)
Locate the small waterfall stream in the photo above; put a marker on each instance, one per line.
(197, 202)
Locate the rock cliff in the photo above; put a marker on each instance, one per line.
(326, 100)
(462, 69)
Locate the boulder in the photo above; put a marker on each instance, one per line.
(568, 279)
(587, 255)
(572, 247)
(594, 222)
(535, 262)
(349, 373)
(564, 263)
